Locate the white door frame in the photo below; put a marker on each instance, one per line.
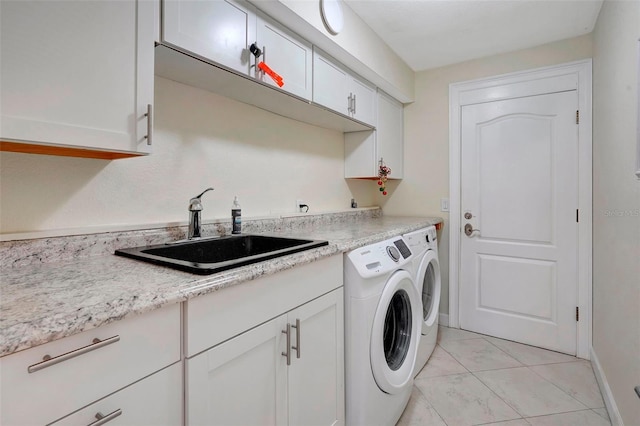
(492, 89)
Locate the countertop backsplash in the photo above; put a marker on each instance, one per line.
(20, 253)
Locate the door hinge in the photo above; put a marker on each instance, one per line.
(577, 116)
(577, 215)
(577, 313)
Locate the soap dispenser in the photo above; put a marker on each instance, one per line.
(236, 217)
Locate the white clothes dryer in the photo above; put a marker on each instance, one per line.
(426, 269)
(382, 329)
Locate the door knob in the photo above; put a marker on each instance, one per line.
(468, 230)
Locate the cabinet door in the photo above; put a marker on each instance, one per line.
(287, 55)
(330, 84)
(364, 101)
(77, 73)
(316, 374)
(241, 381)
(390, 134)
(360, 155)
(153, 401)
(220, 31)
(363, 150)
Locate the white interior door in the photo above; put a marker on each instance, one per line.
(519, 183)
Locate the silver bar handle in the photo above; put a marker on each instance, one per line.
(264, 59)
(354, 103)
(102, 419)
(349, 102)
(149, 115)
(48, 361)
(288, 352)
(297, 347)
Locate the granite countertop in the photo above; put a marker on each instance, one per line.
(42, 302)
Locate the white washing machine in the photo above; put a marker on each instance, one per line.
(382, 330)
(426, 269)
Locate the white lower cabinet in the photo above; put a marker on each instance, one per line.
(283, 369)
(48, 382)
(153, 401)
(315, 376)
(257, 379)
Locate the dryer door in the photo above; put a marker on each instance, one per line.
(429, 286)
(395, 334)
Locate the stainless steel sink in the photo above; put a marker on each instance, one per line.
(208, 256)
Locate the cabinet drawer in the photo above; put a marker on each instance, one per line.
(154, 401)
(128, 351)
(216, 317)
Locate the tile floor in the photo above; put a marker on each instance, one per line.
(472, 379)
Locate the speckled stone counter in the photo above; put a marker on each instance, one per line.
(57, 287)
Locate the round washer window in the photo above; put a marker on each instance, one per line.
(397, 330)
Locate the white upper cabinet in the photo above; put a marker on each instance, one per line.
(219, 45)
(363, 100)
(364, 150)
(77, 77)
(287, 55)
(330, 84)
(219, 31)
(390, 134)
(336, 88)
(223, 31)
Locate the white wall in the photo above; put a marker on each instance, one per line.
(426, 152)
(201, 140)
(616, 203)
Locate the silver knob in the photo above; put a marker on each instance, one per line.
(393, 253)
(468, 215)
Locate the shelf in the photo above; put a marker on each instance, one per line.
(64, 151)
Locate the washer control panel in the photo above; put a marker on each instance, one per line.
(422, 239)
(380, 258)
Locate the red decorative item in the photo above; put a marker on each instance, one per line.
(271, 73)
(383, 172)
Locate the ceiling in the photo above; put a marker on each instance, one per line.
(432, 33)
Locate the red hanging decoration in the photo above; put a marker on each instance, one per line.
(383, 172)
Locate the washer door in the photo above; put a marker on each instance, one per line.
(429, 286)
(394, 338)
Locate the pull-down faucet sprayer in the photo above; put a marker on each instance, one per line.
(195, 207)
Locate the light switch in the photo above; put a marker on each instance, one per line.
(444, 204)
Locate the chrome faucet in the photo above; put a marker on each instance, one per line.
(195, 207)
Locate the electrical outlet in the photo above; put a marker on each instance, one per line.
(444, 204)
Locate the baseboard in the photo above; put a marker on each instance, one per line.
(605, 390)
(443, 319)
